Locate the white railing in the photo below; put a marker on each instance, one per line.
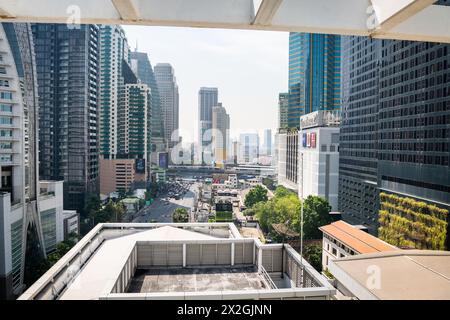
(263, 273)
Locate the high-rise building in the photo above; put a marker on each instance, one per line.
(288, 158)
(134, 109)
(267, 146)
(318, 172)
(67, 63)
(358, 159)
(143, 69)
(114, 51)
(168, 92)
(31, 213)
(249, 148)
(220, 134)
(283, 105)
(130, 169)
(395, 132)
(314, 85)
(235, 151)
(207, 99)
(126, 123)
(314, 74)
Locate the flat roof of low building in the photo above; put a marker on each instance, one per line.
(109, 259)
(130, 200)
(196, 280)
(176, 260)
(358, 240)
(396, 275)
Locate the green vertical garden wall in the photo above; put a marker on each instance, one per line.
(405, 222)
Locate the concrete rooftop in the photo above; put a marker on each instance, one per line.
(196, 280)
(107, 262)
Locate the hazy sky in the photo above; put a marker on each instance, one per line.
(250, 68)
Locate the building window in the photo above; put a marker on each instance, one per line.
(48, 220)
(6, 120)
(6, 158)
(6, 95)
(16, 251)
(5, 133)
(5, 107)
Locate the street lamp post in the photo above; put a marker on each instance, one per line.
(301, 220)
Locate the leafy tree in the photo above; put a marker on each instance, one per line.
(180, 215)
(316, 213)
(283, 192)
(269, 183)
(285, 208)
(249, 212)
(278, 210)
(112, 212)
(92, 205)
(313, 254)
(255, 195)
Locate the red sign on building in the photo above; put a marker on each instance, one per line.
(313, 140)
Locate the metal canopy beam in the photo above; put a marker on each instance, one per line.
(127, 9)
(5, 14)
(392, 13)
(397, 19)
(266, 12)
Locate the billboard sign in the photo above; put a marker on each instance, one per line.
(163, 160)
(140, 165)
(313, 140)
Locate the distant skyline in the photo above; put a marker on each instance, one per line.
(250, 69)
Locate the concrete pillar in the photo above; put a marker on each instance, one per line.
(232, 253)
(259, 259)
(184, 255)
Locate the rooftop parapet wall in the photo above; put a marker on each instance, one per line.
(136, 252)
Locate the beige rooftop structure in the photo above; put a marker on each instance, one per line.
(110, 258)
(395, 275)
(148, 261)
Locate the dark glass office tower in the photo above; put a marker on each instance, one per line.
(358, 147)
(67, 70)
(414, 120)
(395, 132)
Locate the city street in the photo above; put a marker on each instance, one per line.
(161, 211)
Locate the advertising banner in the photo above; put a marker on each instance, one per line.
(140, 165)
(163, 160)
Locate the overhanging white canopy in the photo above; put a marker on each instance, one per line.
(419, 20)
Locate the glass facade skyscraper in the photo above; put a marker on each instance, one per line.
(314, 75)
(143, 69)
(358, 146)
(67, 71)
(207, 99)
(168, 93)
